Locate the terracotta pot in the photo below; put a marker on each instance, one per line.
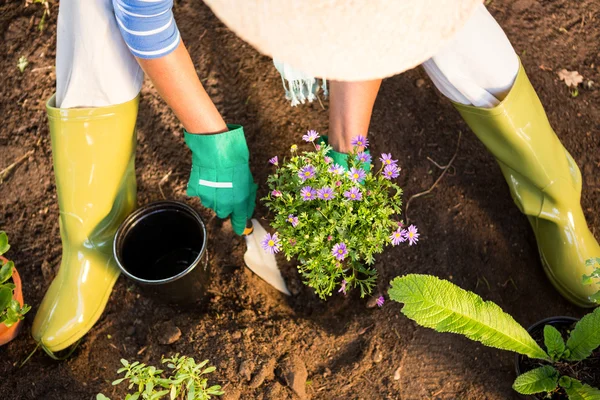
(8, 334)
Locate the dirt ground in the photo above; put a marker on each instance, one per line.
(472, 233)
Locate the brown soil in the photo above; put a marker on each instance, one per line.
(472, 232)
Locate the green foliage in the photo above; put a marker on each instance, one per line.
(594, 277)
(11, 311)
(363, 226)
(585, 338)
(441, 305)
(554, 342)
(539, 380)
(186, 381)
(22, 63)
(577, 390)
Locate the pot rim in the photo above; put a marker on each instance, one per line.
(137, 215)
(545, 321)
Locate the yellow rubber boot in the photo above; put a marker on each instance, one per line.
(94, 153)
(544, 181)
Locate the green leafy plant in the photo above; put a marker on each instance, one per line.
(594, 277)
(438, 304)
(11, 311)
(22, 64)
(333, 220)
(46, 6)
(186, 381)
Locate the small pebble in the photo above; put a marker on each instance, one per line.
(377, 356)
(168, 333)
(246, 369)
(419, 83)
(237, 335)
(397, 374)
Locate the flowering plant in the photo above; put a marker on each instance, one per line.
(335, 218)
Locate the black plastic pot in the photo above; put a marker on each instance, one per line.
(162, 246)
(533, 330)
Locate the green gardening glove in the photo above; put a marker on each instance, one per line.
(221, 175)
(341, 158)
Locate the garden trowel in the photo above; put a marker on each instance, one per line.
(258, 260)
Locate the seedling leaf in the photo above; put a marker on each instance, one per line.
(577, 390)
(554, 342)
(539, 380)
(585, 337)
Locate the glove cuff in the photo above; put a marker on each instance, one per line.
(225, 149)
(342, 158)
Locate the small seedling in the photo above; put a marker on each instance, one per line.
(187, 380)
(335, 218)
(22, 64)
(594, 277)
(11, 311)
(438, 304)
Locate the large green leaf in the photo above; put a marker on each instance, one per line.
(540, 380)
(443, 306)
(577, 390)
(554, 342)
(585, 338)
(4, 246)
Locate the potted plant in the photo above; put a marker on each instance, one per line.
(12, 308)
(186, 381)
(565, 370)
(334, 219)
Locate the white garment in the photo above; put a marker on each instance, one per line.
(478, 66)
(94, 67)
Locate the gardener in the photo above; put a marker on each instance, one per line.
(100, 65)
(358, 43)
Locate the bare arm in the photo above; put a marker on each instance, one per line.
(175, 78)
(350, 109)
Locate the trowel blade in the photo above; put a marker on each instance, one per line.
(260, 262)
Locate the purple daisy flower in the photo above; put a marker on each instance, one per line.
(363, 157)
(276, 193)
(391, 171)
(306, 172)
(308, 193)
(292, 220)
(328, 160)
(380, 300)
(353, 194)
(271, 243)
(339, 250)
(399, 236)
(274, 161)
(386, 159)
(357, 175)
(360, 141)
(310, 136)
(343, 288)
(412, 235)
(325, 193)
(336, 169)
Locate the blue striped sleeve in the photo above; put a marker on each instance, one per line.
(147, 26)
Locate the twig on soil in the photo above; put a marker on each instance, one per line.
(162, 181)
(320, 102)
(6, 171)
(445, 169)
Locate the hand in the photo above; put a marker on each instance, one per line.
(221, 175)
